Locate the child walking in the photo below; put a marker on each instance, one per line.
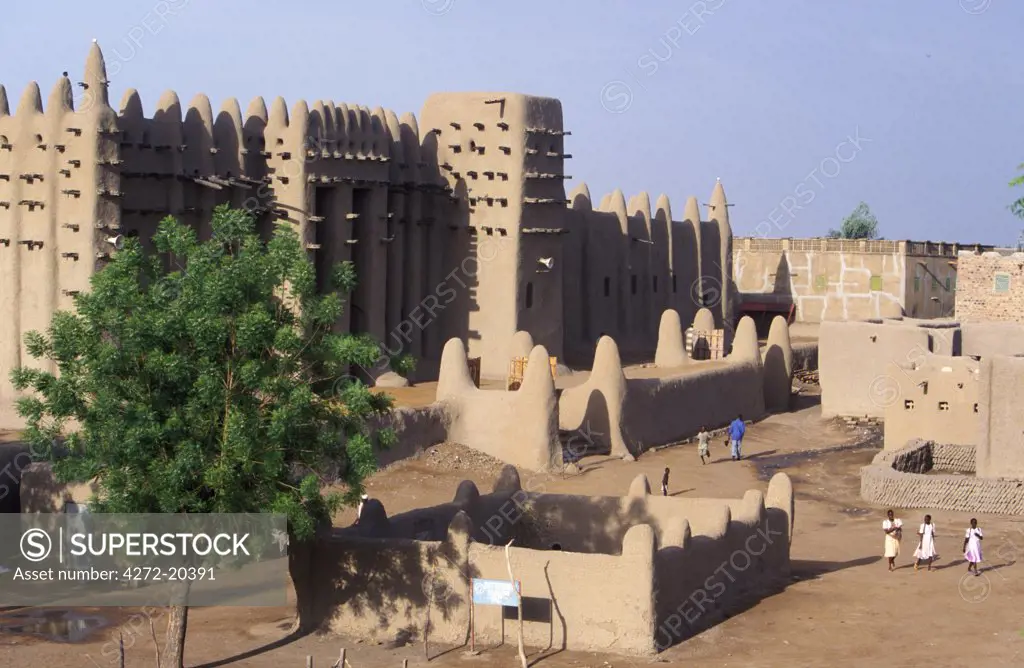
(926, 547)
(664, 483)
(702, 444)
(972, 547)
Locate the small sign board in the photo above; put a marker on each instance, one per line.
(496, 592)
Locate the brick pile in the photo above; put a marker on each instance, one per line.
(895, 478)
(958, 458)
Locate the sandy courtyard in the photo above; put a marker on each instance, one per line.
(842, 608)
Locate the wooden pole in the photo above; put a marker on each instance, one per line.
(341, 658)
(405, 663)
(472, 615)
(519, 602)
(426, 622)
(426, 630)
(309, 662)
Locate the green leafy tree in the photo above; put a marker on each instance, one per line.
(203, 378)
(1017, 207)
(860, 224)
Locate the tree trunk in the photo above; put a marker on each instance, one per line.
(300, 567)
(174, 649)
(177, 626)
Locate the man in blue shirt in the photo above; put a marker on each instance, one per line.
(736, 431)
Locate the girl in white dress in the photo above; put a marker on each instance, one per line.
(972, 547)
(893, 529)
(926, 547)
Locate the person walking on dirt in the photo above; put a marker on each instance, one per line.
(893, 529)
(664, 483)
(702, 444)
(926, 544)
(736, 431)
(972, 547)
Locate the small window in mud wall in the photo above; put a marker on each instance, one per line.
(943, 405)
(908, 404)
(632, 283)
(876, 284)
(529, 295)
(607, 287)
(1001, 283)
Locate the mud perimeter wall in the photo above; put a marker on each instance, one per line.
(415, 430)
(377, 582)
(390, 589)
(985, 339)
(660, 411)
(905, 478)
(856, 363)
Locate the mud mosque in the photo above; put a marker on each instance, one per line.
(458, 219)
(468, 250)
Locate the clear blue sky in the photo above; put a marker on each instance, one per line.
(658, 96)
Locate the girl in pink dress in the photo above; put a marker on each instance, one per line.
(972, 547)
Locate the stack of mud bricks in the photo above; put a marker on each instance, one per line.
(990, 287)
(897, 478)
(862, 421)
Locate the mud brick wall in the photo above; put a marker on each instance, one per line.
(882, 483)
(805, 356)
(959, 458)
(915, 458)
(976, 295)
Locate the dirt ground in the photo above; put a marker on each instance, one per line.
(842, 608)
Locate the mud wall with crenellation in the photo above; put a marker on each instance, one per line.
(457, 224)
(659, 558)
(627, 264)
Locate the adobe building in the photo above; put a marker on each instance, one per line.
(954, 428)
(814, 280)
(936, 400)
(991, 286)
(458, 223)
(977, 465)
